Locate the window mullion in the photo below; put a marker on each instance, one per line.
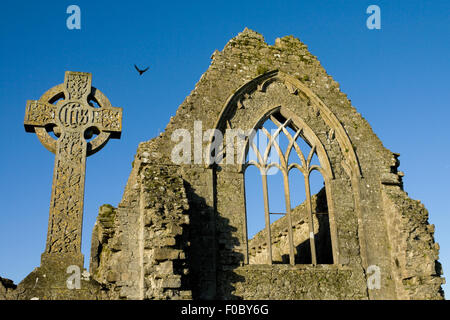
(289, 217)
(310, 218)
(267, 215)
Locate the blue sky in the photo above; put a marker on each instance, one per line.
(397, 77)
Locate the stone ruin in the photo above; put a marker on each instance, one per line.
(180, 230)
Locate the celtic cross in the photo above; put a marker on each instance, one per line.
(75, 112)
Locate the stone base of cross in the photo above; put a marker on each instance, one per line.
(74, 111)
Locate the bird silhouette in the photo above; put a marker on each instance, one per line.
(140, 71)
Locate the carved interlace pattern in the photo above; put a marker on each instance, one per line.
(38, 112)
(67, 197)
(108, 119)
(77, 85)
(71, 148)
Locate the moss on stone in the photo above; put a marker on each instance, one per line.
(261, 69)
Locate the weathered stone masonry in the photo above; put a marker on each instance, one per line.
(180, 230)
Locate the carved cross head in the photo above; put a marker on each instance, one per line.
(74, 107)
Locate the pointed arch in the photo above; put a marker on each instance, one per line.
(296, 87)
(283, 119)
(349, 164)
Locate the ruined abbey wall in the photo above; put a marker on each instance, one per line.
(180, 229)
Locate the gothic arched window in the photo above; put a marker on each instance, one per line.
(289, 161)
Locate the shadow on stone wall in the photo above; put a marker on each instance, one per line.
(322, 239)
(212, 255)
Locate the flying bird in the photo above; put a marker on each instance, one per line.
(140, 71)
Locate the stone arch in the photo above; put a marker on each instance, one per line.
(296, 87)
(349, 165)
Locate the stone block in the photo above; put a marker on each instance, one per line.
(165, 267)
(171, 282)
(160, 254)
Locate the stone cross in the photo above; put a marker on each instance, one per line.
(75, 112)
